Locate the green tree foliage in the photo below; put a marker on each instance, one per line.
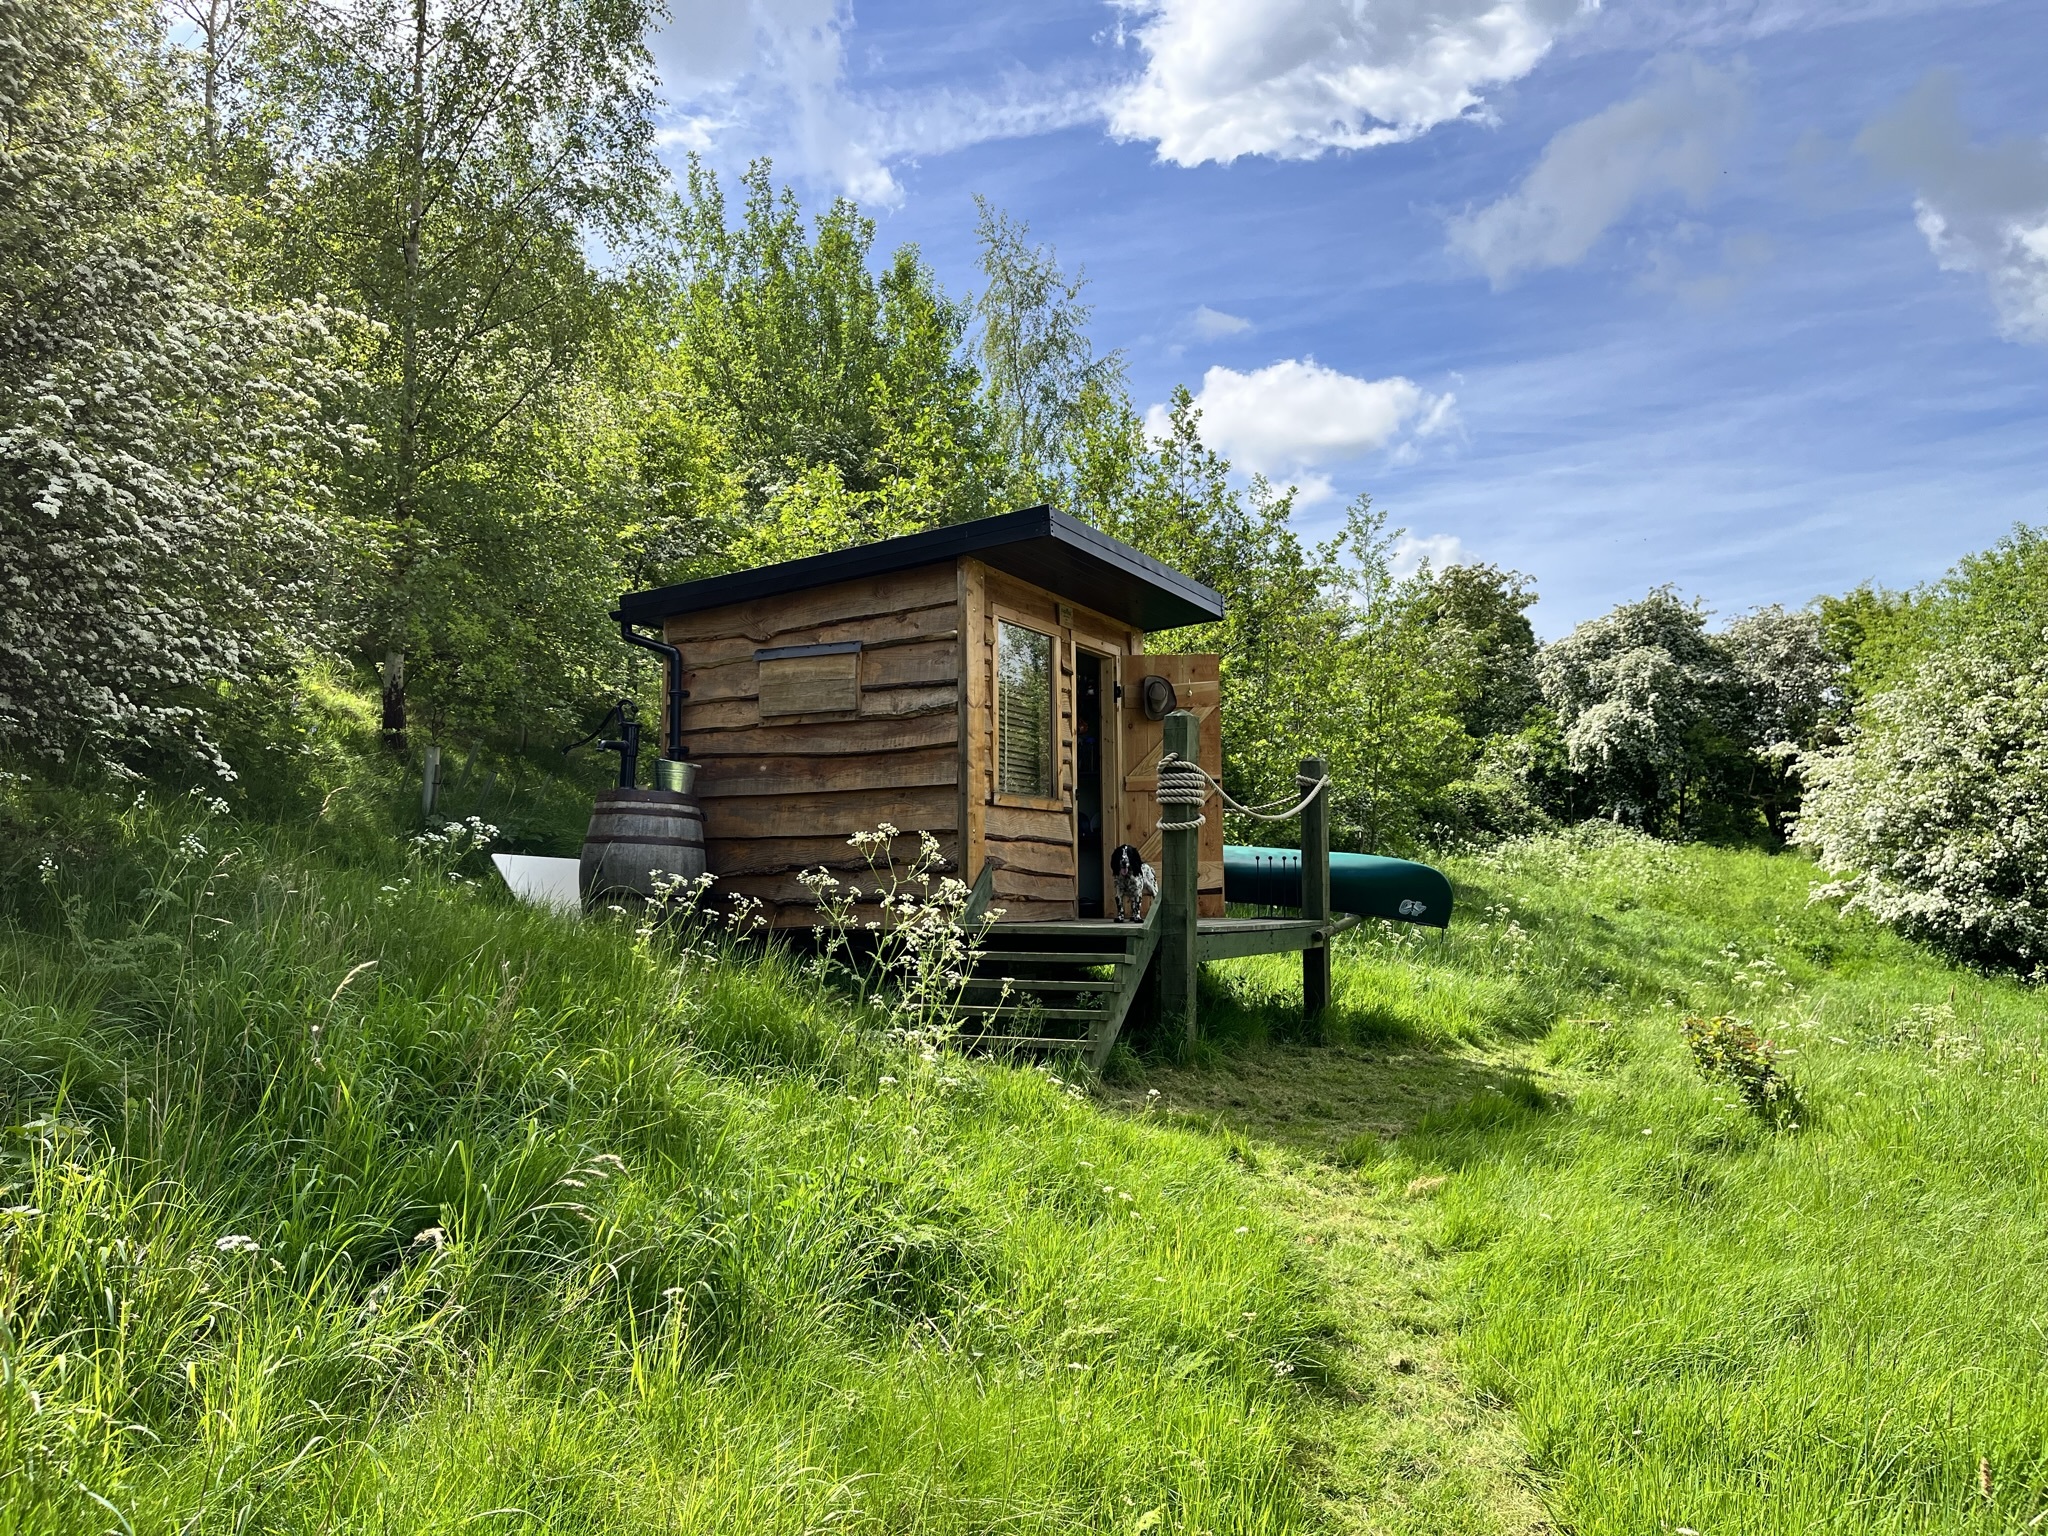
(1934, 813)
(1039, 367)
(793, 399)
(1869, 631)
(1645, 703)
(1486, 609)
(1793, 696)
(1669, 727)
(1932, 808)
(163, 452)
(1323, 651)
(442, 169)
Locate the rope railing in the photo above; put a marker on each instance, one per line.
(1183, 782)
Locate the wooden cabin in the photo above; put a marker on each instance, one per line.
(987, 683)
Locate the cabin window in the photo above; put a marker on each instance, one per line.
(1024, 732)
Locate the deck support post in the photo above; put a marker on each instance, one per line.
(1315, 891)
(1179, 899)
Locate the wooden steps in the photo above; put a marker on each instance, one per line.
(1055, 989)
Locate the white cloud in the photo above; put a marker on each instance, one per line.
(1439, 549)
(774, 69)
(1294, 78)
(1669, 138)
(1213, 324)
(1982, 208)
(1289, 418)
(749, 77)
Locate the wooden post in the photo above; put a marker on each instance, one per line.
(1315, 892)
(1179, 898)
(430, 782)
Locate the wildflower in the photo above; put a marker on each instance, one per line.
(1151, 1093)
(236, 1242)
(888, 1082)
(1283, 1368)
(434, 1235)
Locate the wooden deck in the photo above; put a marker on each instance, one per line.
(1216, 938)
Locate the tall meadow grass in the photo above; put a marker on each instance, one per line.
(341, 1198)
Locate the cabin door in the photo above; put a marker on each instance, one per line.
(1196, 686)
(1098, 825)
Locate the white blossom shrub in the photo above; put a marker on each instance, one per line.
(1632, 690)
(160, 533)
(1792, 683)
(1933, 814)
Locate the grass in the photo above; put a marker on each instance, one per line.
(1690, 1317)
(338, 1194)
(344, 1199)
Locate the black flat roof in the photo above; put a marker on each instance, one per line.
(1046, 548)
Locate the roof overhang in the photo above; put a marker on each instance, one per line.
(1046, 548)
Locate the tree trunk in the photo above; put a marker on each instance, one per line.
(406, 488)
(394, 700)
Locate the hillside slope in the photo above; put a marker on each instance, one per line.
(349, 1197)
(1558, 1229)
(359, 1200)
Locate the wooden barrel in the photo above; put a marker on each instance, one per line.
(639, 836)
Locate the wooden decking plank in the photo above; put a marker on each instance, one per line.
(1000, 957)
(1235, 938)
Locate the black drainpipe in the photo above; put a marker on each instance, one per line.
(676, 695)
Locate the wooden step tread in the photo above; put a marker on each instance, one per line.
(1088, 927)
(1029, 1042)
(1025, 984)
(1012, 1010)
(1051, 957)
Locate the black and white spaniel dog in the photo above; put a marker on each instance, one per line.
(1134, 880)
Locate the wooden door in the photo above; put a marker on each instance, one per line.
(1197, 687)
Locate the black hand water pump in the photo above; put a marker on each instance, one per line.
(626, 715)
(626, 743)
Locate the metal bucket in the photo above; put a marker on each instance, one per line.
(638, 837)
(673, 773)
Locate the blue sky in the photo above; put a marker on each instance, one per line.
(1750, 297)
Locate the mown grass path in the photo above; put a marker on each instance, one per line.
(1393, 1439)
(1633, 1303)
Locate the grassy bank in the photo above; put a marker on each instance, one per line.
(1692, 1317)
(344, 1198)
(340, 1194)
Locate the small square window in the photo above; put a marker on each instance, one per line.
(1024, 730)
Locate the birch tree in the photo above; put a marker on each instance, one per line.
(448, 164)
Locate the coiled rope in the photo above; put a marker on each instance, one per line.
(1181, 783)
(1184, 782)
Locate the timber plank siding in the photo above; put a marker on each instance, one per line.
(782, 792)
(818, 707)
